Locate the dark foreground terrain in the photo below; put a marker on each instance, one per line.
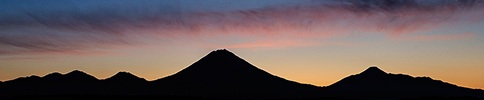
(118, 97)
(223, 75)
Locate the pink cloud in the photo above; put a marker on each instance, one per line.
(273, 26)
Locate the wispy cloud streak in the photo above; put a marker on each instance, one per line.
(91, 29)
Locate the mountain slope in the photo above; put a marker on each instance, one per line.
(125, 83)
(374, 82)
(79, 76)
(222, 72)
(125, 77)
(23, 80)
(53, 77)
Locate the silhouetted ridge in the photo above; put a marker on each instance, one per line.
(125, 77)
(374, 82)
(25, 80)
(373, 71)
(221, 52)
(77, 75)
(53, 76)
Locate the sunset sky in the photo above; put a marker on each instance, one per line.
(310, 41)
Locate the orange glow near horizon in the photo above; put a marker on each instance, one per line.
(305, 68)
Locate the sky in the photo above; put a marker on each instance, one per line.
(310, 41)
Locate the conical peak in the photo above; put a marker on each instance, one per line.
(221, 69)
(126, 76)
(123, 72)
(221, 52)
(79, 75)
(373, 71)
(219, 63)
(220, 56)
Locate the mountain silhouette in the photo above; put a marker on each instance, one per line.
(222, 72)
(23, 80)
(124, 77)
(77, 75)
(73, 76)
(373, 71)
(22, 83)
(53, 76)
(375, 83)
(75, 82)
(125, 83)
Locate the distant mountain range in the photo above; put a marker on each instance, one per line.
(221, 74)
(373, 82)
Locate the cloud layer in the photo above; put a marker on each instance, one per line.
(77, 28)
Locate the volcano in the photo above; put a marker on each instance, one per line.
(222, 72)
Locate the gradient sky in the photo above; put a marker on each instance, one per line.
(308, 41)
